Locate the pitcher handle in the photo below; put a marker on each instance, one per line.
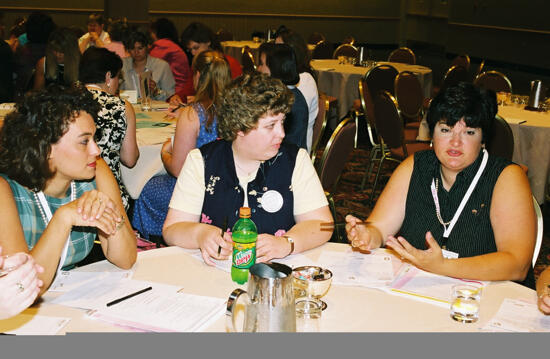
(231, 303)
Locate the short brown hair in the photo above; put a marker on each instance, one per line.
(248, 98)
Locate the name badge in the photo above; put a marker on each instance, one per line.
(449, 254)
(272, 201)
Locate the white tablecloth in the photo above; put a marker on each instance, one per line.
(341, 81)
(235, 48)
(150, 140)
(350, 309)
(531, 145)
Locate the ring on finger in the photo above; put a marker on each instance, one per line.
(20, 286)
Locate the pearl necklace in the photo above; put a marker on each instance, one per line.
(42, 213)
(437, 212)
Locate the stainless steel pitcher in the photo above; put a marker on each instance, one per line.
(270, 305)
(537, 94)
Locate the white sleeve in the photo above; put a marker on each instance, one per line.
(306, 186)
(188, 193)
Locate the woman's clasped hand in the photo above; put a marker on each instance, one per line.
(96, 209)
(20, 286)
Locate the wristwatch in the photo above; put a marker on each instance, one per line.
(291, 242)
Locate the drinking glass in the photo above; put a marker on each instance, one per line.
(11, 262)
(308, 314)
(315, 281)
(465, 299)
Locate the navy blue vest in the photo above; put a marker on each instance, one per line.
(224, 196)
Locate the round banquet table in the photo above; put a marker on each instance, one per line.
(350, 309)
(341, 80)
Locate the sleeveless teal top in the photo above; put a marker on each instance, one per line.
(82, 238)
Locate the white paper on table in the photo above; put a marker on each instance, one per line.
(518, 316)
(35, 325)
(97, 294)
(427, 287)
(296, 260)
(164, 309)
(224, 265)
(66, 281)
(355, 268)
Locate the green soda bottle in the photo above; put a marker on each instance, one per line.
(244, 238)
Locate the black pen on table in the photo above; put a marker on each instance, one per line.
(224, 229)
(520, 122)
(116, 301)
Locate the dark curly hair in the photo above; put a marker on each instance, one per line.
(38, 121)
(248, 98)
(477, 106)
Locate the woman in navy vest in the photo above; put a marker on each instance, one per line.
(250, 166)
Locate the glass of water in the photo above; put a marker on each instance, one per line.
(465, 299)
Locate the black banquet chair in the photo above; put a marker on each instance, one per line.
(333, 161)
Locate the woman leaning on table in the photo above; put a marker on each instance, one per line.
(49, 164)
(249, 166)
(419, 214)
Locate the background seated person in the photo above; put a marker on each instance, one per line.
(279, 61)
(165, 46)
(162, 84)
(419, 213)
(20, 287)
(100, 71)
(198, 37)
(249, 166)
(60, 65)
(543, 291)
(95, 35)
(49, 165)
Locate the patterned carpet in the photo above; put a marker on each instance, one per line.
(349, 198)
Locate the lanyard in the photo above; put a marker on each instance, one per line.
(47, 211)
(448, 228)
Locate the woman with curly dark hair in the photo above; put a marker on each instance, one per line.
(56, 194)
(250, 166)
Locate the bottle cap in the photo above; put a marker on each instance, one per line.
(244, 212)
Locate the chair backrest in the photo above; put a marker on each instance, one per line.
(493, 80)
(320, 124)
(453, 76)
(323, 50)
(224, 35)
(403, 55)
(381, 78)
(409, 94)
(388, 120)
(315, 38)
(336, 153)
(540, 230)
(247, 60)
(349, 40)
(345, 50)
(501, 140)
(461, 60)
(367, 107)
(479, 69)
